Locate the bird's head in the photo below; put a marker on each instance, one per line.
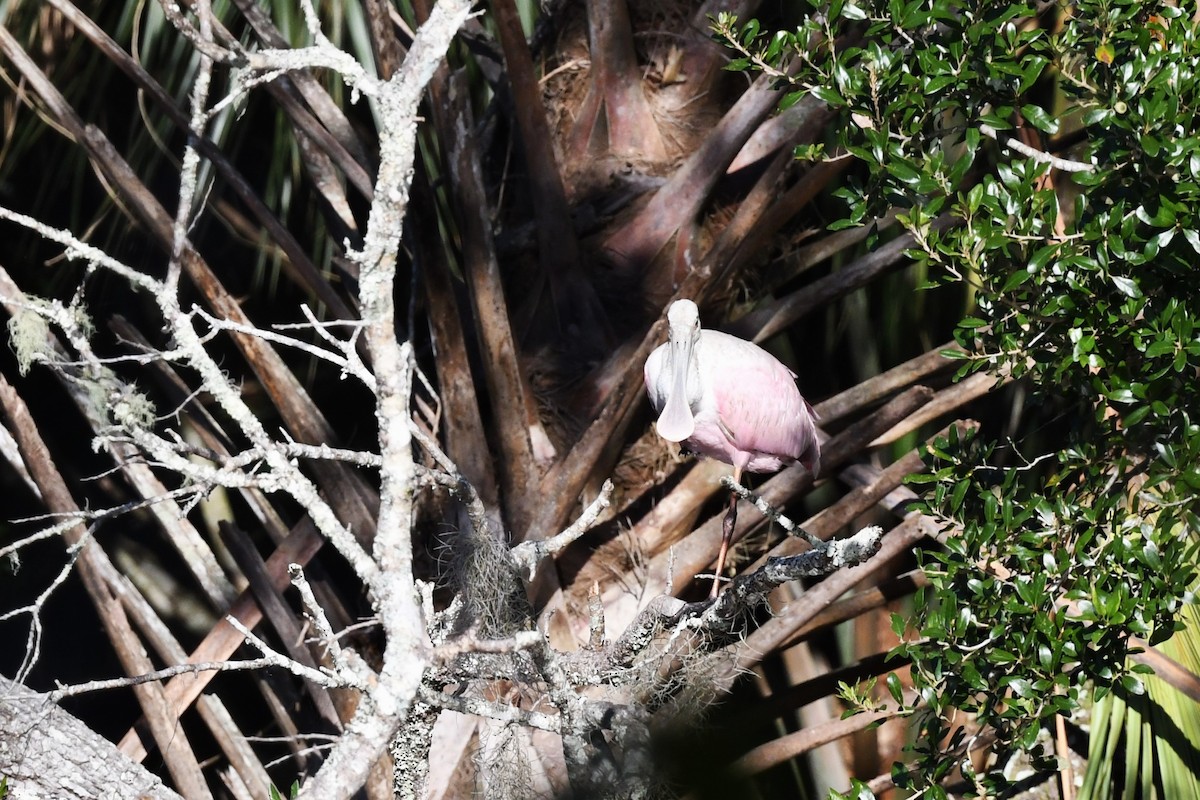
(683, 316)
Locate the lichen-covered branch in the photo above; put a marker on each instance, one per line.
(408, 649)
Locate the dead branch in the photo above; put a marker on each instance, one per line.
(98, 575)
(528, 555)
(794, 744)
(46, 752)
(393, 591)
(346, 490)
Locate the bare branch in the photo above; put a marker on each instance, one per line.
(460, 645)
(190, 167)
(529, 554)
(273, 658)
(392, 587)
(1066, 165)
(77, 689)
(80, 250)
(484, 708)
(769, 511)
(348, 664)
(346, 360)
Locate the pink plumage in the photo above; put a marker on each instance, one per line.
(729, 399)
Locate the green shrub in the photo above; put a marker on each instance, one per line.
(1050, 161)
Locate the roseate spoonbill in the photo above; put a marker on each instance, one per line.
(727, 398)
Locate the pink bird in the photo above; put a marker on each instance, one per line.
(731, 400)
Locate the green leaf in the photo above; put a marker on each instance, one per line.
(858, 791)
(1160, 347)
(750, 32)
(1032, 70)
(1041, 257)
(853, 12)
(999, 123)
(1037, 117)
(791, 98)
(828, 96)
(1016, 279)
(895, 688)
(1133, 685)
(1127, 286)
(960, 492)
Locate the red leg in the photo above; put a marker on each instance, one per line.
(727, 526)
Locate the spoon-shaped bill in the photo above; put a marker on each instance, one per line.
(675, 423)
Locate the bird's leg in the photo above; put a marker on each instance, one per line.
(769, 511)
(727, 526)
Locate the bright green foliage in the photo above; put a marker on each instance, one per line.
(858, 791)
(1123, 730)
(1033, 599)
(1080, 240)
(292, 792)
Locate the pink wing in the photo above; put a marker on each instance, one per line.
(759, 404)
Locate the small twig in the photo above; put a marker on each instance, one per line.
(484, 708)
(595, 618)
(769, 511)
(189, 169)
(475, 509)
(203, 44)
(45, 533)
(316, 57)
(348, 665)
(313, 22)
(528, 555)
(273, 658)
(158, 675)
(78, 249)
(347, 363)
(324, 452)
(461, 645)
(1066, 165)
